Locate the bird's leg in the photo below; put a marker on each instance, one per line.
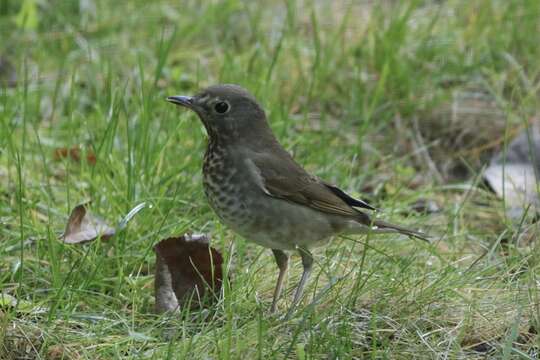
(307, 263)
(282, 261)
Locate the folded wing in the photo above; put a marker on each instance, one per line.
(283, 178)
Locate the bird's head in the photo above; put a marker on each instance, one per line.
(227, 111)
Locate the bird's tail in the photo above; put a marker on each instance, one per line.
(400, 229)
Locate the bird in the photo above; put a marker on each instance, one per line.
(258, 190)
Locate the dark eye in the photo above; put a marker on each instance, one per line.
(221, 107)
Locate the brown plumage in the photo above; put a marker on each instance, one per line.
(257, 189)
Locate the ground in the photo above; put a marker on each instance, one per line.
(399, 102)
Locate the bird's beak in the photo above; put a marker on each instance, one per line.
(185, 101)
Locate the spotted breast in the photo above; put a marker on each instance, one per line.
(240, 204)
(222, 188)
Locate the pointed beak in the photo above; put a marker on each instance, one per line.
(185, 101)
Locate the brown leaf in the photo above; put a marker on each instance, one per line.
(74, 153)
(83, 226)
(188, 270)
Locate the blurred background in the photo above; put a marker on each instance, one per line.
(462, 69)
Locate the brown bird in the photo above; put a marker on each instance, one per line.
(258, 190)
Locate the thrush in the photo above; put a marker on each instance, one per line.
(257, 189)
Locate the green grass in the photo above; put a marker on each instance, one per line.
(359, 91)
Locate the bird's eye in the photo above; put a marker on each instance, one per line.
(221, 107)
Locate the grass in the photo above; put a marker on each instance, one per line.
(363, 93)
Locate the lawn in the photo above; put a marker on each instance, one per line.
(399, 102)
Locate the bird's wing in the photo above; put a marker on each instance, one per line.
(349, 200)
(285, 179)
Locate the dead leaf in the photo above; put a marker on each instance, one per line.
(188, 270)
(83, 226)
(74, 153)
(515, 182)
(512, 174)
